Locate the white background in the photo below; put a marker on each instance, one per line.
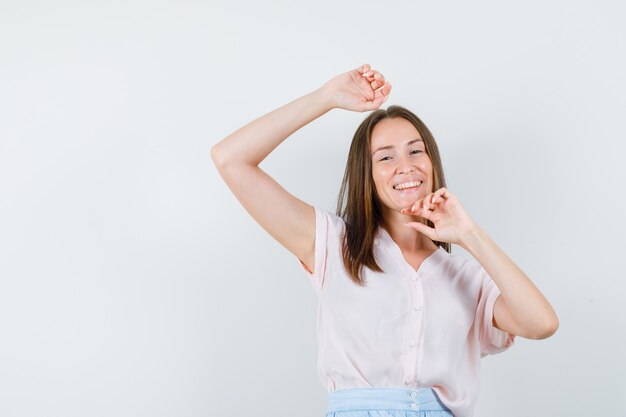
(133, 283)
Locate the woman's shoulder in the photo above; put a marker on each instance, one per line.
(332, 221)
(460, 262)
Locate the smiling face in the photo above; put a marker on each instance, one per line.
(401, 169)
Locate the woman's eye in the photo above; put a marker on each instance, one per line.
(417, 151)
(385, 158)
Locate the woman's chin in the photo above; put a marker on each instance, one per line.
(408, 198)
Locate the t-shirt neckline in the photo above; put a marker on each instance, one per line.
(394, 250)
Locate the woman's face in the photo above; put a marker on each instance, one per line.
(402, 162)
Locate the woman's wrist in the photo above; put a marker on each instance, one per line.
(324, 98)
(474, 241)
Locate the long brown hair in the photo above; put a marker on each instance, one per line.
(363, 212)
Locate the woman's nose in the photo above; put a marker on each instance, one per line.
(405, 166)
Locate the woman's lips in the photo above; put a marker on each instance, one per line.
(409, 190)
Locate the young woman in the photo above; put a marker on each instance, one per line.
(402, 323)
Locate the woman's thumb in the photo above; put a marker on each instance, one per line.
(376, 103)
(422, 228)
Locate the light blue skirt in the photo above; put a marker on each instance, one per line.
(386, 402)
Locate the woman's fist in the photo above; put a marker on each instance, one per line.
(361, 89)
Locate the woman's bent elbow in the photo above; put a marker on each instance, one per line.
(217, 156)
(549, 329)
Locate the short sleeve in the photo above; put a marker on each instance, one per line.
(321, 244)
(492, 339)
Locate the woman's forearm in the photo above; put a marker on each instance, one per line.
(253, 142)
(528, 306)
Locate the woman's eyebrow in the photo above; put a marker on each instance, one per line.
(391, 146)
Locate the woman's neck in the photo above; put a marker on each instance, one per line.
(407, 238)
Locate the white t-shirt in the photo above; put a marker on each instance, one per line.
(406, 328)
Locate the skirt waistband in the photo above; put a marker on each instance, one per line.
(408, 399)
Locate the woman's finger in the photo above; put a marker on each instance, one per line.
(375, 85)
(375, 76)
(383, 92)
(375, 79)
(364, 69)
(422, 228)
(380, 96)
(439, 195)
(409, 210)
(417, 206)
(424, 213)
(428, 202)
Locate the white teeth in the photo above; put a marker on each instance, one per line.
(409, 184)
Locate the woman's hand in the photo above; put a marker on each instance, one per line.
(451, 221)
(361, 89)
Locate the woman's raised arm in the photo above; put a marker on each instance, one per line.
(286, 218)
